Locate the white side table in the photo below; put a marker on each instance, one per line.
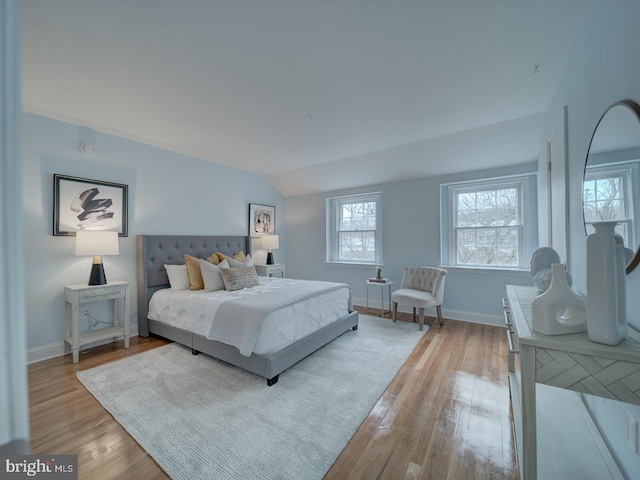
(76, 295)
(273, 270)
(388, 283)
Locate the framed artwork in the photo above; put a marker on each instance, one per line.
(262, 219)
(84, 204)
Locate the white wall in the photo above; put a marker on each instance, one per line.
(603, 68)
(169, 193)
(410, 236)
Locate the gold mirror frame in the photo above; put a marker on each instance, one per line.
(635, 108)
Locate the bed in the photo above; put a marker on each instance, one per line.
(154, 251)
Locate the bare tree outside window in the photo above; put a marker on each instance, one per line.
(487, 227)
(357, 231)
(353, 233)
(605, 200)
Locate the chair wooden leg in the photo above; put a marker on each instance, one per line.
(439, 310)
(395, 311)
(421, 318)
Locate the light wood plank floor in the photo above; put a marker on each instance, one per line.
(445, 416)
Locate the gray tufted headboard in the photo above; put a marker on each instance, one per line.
(154, 251)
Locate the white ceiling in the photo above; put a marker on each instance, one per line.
(315, 95)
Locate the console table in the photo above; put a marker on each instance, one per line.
(569, 362)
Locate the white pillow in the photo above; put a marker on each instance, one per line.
(178, 277)
(233, 263)
(211, 276)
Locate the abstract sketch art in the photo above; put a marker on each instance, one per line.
(80, 203)
(262, 219)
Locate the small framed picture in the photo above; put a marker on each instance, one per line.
(84, 204)
(262, 220)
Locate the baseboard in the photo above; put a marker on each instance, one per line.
(45, 352)
(15, 447)
(449, 314)
(53, 350)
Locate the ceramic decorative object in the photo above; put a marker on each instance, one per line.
(558, 311)
(378, 272)
(541, 261)
(606, 272)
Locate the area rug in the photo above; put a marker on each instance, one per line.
(200, 418)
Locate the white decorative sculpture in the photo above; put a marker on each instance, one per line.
(558, 311)
(541, 262)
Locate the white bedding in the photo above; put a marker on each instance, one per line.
(195, 311)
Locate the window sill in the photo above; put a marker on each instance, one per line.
(487, 270)
(352, 264)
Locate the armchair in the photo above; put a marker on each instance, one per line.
(422, 287)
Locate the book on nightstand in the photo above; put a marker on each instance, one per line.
(379, 280)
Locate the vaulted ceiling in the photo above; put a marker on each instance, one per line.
(313, 95)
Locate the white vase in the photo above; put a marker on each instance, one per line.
(558, 311)
(606, 272)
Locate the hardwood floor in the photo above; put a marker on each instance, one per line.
(445, 415)
(66, 419)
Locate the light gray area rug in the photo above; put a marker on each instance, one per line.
(200, 418)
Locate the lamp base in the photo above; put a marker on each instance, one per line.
(270, 258)
(97, 276)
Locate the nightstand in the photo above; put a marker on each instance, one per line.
(274, 270)
(76, 295)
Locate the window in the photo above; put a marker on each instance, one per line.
(353, 229)
(605, 195)
(486, 226)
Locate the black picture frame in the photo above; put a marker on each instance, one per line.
(85, 204)
(262, 219)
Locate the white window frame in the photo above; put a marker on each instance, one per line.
(449, 253)
(334, 206)
(625, 174)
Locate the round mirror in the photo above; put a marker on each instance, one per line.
(611, 187)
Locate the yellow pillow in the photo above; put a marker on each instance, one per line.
(213, 258)
(196, 282)
(239, 256)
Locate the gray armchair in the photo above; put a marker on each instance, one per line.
(422, 287)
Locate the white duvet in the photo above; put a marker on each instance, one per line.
(196, 311)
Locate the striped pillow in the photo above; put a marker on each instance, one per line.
(239, 277)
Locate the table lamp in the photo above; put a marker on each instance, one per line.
(270, 242)
(97, 243)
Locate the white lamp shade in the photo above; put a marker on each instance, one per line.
(97, 242)
(270, 242)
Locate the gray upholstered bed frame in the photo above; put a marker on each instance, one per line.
(154, 251)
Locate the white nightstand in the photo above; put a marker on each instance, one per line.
(274, 270)
(76, 295)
